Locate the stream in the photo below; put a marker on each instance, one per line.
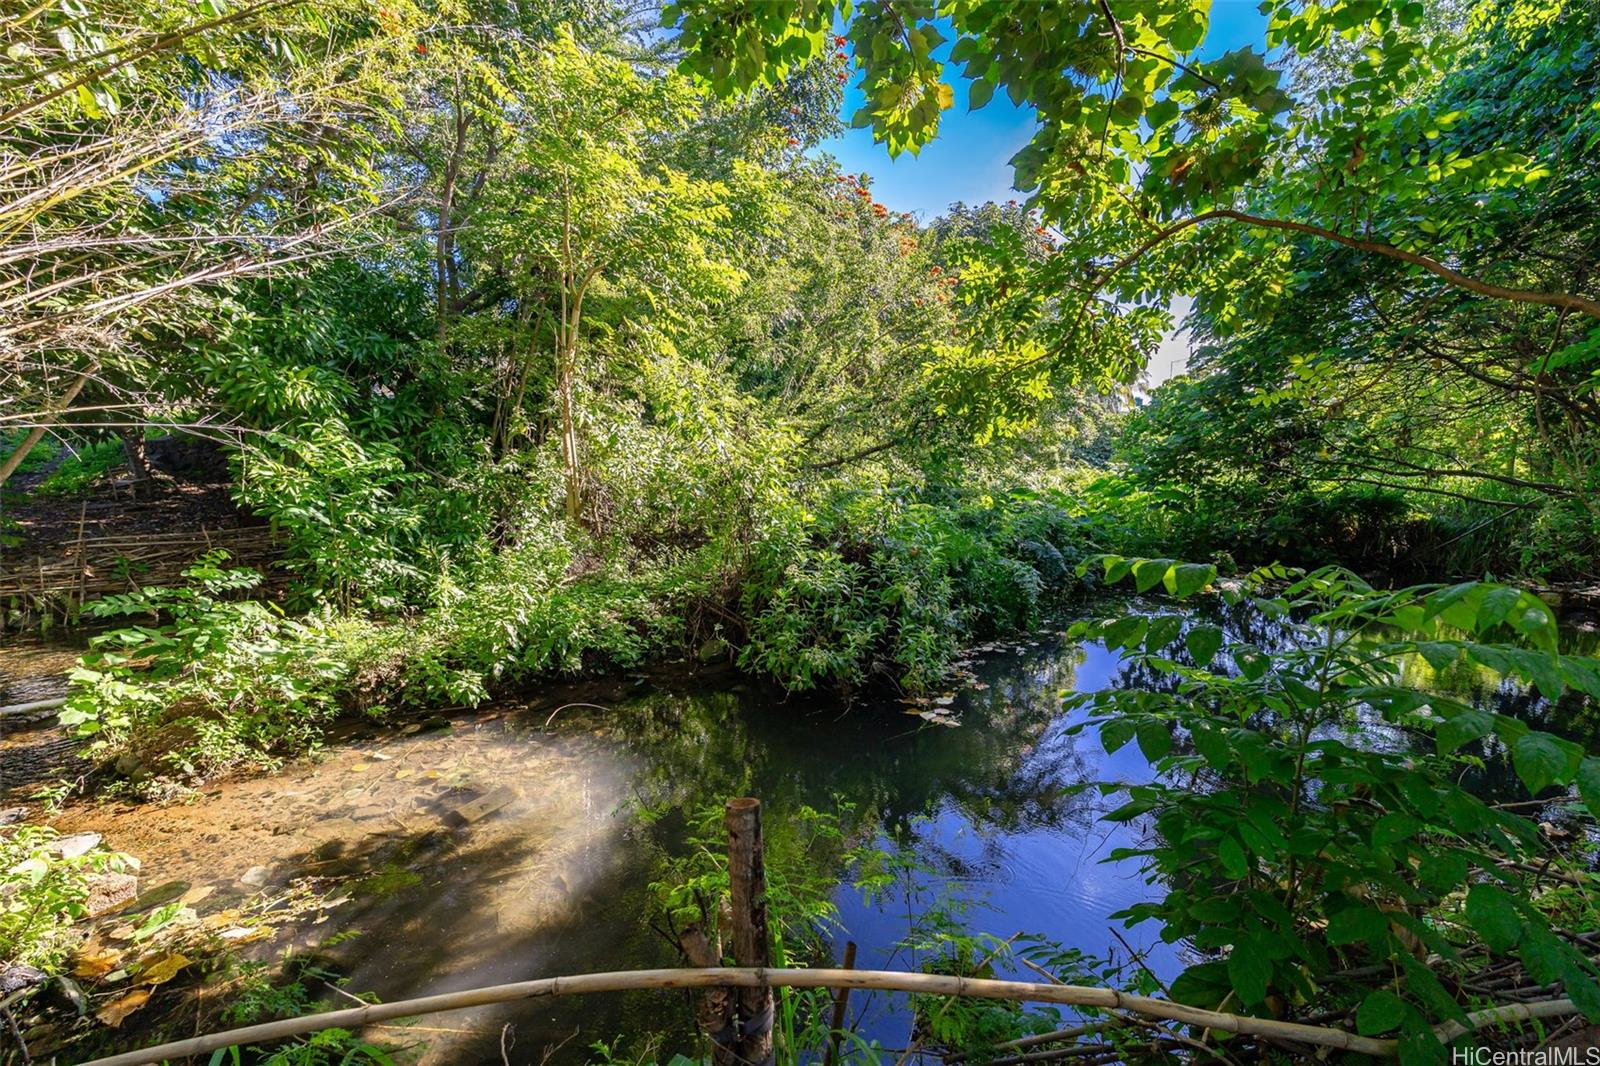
(520, 840)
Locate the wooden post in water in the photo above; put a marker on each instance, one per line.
(747, 889)
(841, 1002)
(716, 1003)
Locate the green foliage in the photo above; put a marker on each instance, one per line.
(341, 501)
(43, 891)
(1289, 844)
(527, 613)
(885, 581)
(81, 469)
(207, 681)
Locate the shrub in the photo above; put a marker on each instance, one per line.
(1288, 844)
(43, 891)
(208, 681)
(887, 582)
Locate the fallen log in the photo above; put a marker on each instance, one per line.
(32, 708)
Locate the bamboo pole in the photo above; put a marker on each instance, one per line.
(747, 890)
(927, 984)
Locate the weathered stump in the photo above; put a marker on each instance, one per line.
(747, 890)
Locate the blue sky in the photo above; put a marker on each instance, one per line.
(969, 160)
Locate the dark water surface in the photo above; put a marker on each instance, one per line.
(557, 880)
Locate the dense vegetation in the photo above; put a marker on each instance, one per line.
(548, 340)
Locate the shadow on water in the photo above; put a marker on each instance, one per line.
(555, 878)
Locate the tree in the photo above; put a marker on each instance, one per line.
(585, 208)
(1142, 149)
(148, 154)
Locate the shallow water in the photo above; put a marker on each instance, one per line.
(556, 880)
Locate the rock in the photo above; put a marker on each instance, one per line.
(77, 844)
(14, 977)
(110, 891)
(712, 650)
(165, 892)
(255, 877)
(13, 814)
(128, 765)
(480, 808)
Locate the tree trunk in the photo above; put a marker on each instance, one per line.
(569, 434)
(133, 447)
(36, 434)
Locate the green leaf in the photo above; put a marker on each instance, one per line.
(1356, 925)
(1124, 632)
(979, 93)
(1462, 727)
(1250, 972)
(1496, 605)
(1212, 744)
(1393, 828)
(1493, 915)
(1148, 573)
(1540, 761)
(1155, 739)
(1251, 662)
(1231, 854)
(1203, 643)
(1186, 579)
(1589, 784)
(1441, 872)
(1380, 1012)
(1116, 733)
(1163, 631)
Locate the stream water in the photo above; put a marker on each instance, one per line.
(550, 873)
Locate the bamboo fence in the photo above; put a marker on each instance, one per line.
(98, 566)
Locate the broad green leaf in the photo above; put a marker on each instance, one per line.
(1250, 972)
(1493, 916)
(1380, 1012)
(1185, 579)
(1203, 642)
(1540, 760)
(1231, 854)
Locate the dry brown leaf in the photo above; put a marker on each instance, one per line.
(91, 965)
(114, 1012)
(163, 969)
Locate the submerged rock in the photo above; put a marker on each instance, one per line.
(110, 891)
(77, 844)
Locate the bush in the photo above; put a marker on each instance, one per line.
(885, 582)
(534, 609)
(208, 682)
(43, 891)
(1286, 842)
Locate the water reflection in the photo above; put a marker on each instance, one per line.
(556, 881)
